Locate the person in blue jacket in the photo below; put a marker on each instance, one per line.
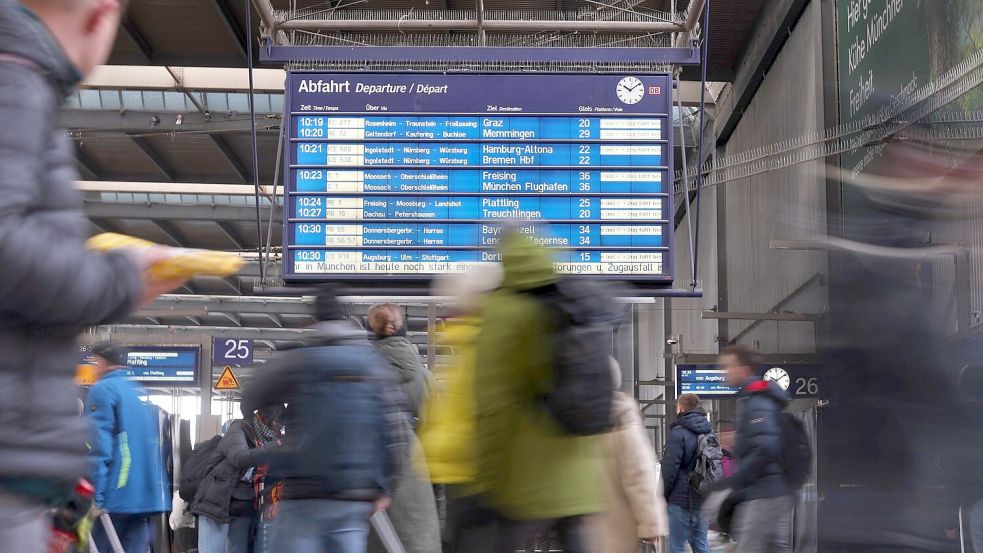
(687, 524)
(763, 516)
(125, 464)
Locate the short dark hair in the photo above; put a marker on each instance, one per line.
(744, 355)
(109, 352)
(688, 402)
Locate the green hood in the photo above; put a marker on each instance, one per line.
(527, 265)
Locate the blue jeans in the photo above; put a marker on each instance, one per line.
(687, 526)
(313, 525)
(231, 537)
(135, 532)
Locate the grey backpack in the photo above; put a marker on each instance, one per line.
(708, 463)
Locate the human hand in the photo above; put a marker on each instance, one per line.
(382, 503)
(146, 258)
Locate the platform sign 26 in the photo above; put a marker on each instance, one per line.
(232, 351)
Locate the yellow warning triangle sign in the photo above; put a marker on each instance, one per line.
(227, 381)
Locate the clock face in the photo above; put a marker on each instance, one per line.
(779, 376)
(630, 90)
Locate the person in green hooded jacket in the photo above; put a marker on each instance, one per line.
(536, 476)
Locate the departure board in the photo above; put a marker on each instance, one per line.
(404, 176)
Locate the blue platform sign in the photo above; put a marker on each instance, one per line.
(404, 176)
(158, 365)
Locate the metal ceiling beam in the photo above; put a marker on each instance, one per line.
(88, 122)
(154, 156)
(677, 56)
(231, 234)
(215, 331)
(173, 212)
(171, 231)
(496, 25)
(106, 226)
(277, 320)
(773, 28)
(230, 156)
(779, 316)
(232, 24)
(87, 164)
(234, 284)
(230, 304)
(132, 32)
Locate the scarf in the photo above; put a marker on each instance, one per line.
(264, 434)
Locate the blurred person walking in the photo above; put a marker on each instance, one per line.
(531, 470)
(225, 502)
(447, 431)
(51, 287)
(762, 520)
(389, 326)
(346, 434)
(687, 525)
(126, 461)
(414, 506)
(636, 506)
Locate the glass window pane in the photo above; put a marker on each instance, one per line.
(73, 102)
(153, 99)
(239, 101)
(132, 99)
(110, 99)
(90, 99)
(217, 101)
(276, 102)
(175, 101)
(262, 103)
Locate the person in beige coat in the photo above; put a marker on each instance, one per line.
(636, 506)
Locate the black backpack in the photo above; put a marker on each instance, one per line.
(796, 451)
(202, 460)
(583, 316)
(708, 463)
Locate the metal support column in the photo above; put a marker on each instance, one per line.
(431, 335)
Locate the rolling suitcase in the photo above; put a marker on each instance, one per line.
(387, 534)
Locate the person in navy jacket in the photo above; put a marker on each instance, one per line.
(687, 524)
(125, 463)
(763, 516)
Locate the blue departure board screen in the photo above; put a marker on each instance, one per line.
(404, 176)
(157, 365)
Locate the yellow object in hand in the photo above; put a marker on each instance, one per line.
(184, 263)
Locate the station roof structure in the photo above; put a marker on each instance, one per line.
(163, 132)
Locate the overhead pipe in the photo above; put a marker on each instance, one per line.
(695, 11)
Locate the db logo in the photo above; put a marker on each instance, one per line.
(655, 90)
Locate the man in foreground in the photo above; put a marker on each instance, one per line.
(51, 287)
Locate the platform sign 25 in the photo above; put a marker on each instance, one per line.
(232, 351)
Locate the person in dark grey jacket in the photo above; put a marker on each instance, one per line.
(225, 499)
(51, 287)
(414, 507)
(687, 524)
(763, 516)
